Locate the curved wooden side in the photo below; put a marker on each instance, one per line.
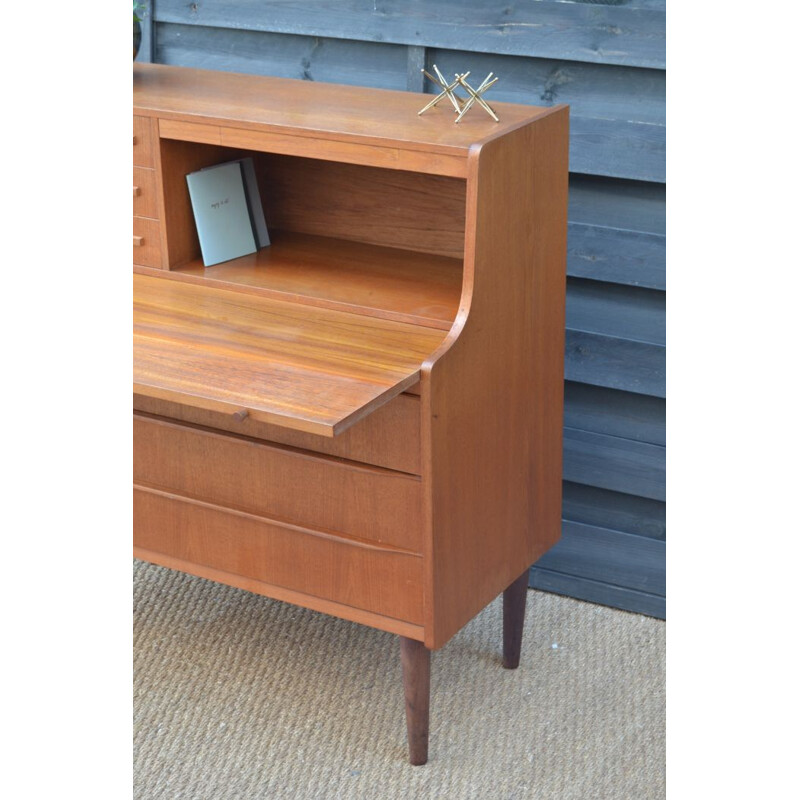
(492, 394)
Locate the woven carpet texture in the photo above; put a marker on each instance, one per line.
(238, 696)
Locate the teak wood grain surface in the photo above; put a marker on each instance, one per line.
(359, 501)
(492, 395)
(406, 211)
(364, 418)
(384, 282)
(310, 369)
(388, 437)
(321, 112)
(258, 548)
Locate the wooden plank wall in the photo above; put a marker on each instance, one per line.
(606, 58)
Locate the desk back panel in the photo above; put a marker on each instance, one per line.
(388, 207)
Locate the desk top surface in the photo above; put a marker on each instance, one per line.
(307, 108)
(306, 368)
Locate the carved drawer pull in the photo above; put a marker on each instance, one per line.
(136, 191)
(138, 241)
(241, 415)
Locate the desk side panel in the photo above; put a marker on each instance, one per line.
(492, 409)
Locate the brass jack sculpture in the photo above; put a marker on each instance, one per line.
(460, 105)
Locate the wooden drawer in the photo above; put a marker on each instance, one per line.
(146, 242)
(145, 203)
(388, 437)
(143, 142)
(359, 576)
(280, 483)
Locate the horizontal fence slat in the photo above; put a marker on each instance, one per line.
(595, 592)
(614, 510)
(623, 204)
(381, 66)
(617, 125)
(593, 91)
(631, 34)
(615, 363)
(600, 410)
(617, 118)
(617, 149)
(611, 462)
(625, 312)
(606, 556)
(616, 231)
(616, 256)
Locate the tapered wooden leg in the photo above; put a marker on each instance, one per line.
(513, 620)
(416, 660)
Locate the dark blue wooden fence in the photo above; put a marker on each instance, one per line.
(606, 59)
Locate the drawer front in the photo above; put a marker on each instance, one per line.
(289, 485)
(388, 437)
(146, 242)
(143, 142)
(144, 193)
(361, 577)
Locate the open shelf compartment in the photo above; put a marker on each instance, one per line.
(379, 242)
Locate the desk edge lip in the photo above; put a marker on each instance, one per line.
(458, 151)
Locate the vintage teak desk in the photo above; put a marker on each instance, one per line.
(364, 418)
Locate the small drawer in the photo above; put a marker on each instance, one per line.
(146, 242)
(144, 193)
(385, 582)
(388, 437)
(143, 142)
(293, 486)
